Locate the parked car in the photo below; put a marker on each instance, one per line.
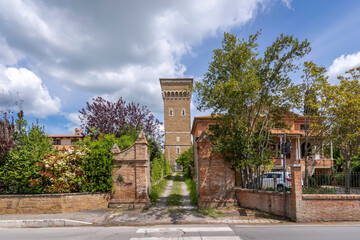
(269, 179)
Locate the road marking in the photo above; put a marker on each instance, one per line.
(184, 229)
(191, 238)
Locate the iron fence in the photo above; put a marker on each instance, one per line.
(332, 183)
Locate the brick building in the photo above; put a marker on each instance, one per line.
(65, 141)
(215, 178)
(319, 162)
(176, 94)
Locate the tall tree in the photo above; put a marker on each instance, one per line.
(8, 133)
(344, 114)
(119, 117)
(248, 92)
(314, 104)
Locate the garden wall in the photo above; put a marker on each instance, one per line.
(216, 179)
(303, 207)
(266, 201)
(326, 207)
(52, 203)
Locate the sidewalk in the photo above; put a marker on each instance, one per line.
(158, 214)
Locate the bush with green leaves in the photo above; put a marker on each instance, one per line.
(61, 170)
(97, 165)
(186, 159)
(160, 168)
(19, 164)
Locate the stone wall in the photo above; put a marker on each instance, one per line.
(133, 165)
(52, 203)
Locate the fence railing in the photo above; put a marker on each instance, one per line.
(332, 183)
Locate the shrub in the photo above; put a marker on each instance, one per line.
(19, 165)
(160, 167)
(61, 171)
(97, 165)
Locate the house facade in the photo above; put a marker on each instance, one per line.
(65, 141)
(319, 161)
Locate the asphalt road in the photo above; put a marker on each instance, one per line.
(191, 232)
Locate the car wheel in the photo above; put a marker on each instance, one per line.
(279, 187)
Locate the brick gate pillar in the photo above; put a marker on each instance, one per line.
(296, 192)
(130, 175)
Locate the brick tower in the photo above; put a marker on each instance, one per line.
(177, 99)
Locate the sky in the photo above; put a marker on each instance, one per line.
(57, 55)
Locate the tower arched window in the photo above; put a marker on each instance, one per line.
(183, 112)
(171, 112)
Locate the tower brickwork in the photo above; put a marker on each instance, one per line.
(177, 118)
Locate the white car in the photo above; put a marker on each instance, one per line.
(269, 179)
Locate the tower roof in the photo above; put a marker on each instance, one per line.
(176, 81)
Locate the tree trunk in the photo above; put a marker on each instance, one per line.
(347, 174)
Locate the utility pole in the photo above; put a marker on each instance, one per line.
(286, 148)
(284, 170)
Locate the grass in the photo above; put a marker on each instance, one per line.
(175, 196)
(211, 211)
(191, 186)
(157, 190)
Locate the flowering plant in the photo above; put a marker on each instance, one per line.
(61, 171)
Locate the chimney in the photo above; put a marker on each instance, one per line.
(78, 131)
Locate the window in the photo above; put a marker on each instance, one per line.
(171, 112)
(304, 127)
(183, 112)
(74, 141)
(178, 150)
(57, 142)
(178, 139)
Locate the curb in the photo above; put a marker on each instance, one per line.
(42, 223)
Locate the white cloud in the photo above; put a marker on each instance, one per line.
(343, 63)
(73, 117)
(29, 88)
(116, 48)
(287, 3)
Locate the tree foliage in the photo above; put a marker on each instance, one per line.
(7, 125)
(344, 114)
(248, 92)
(314, 104)
(19, 165)
(97, 164)
(118, 117)
(186, 159)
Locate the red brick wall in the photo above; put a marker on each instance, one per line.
(216, 179)
(52, 203)
(303, 207)
(325, 207)
(133, 165)
(271, 202)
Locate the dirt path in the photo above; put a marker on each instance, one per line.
(162, 201)
(185, 203)
(186, 195)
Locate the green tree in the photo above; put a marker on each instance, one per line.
(186, 159)
(248, 92)
(97, 164)
(314, 105)
(20, 163)
(344, 114)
